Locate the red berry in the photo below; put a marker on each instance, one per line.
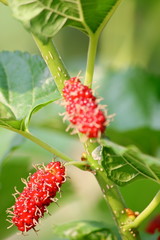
(154, 225)
(39, 192)
(82, 108)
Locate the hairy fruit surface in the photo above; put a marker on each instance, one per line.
(82, 109)
(40, 190)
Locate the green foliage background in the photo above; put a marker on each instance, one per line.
(127, 75)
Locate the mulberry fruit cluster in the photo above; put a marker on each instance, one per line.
(82, 108)
(39, 192)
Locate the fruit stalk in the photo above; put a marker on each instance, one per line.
(145, 213)
(53, 61)
(93, 42)
(110, 191)
(113, 197)
(42, 144)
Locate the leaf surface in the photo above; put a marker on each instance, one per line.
(133, 94)
(118, 170)
(124, 164)
(25, 87)
(46, 18)
(84, 230)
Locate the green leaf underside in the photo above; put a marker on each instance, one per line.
(46, 17)
(25, 86)
(124, 164)
(84, 230)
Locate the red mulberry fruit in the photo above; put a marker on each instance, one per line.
(154, 225)
(82, 109)
(39, 192)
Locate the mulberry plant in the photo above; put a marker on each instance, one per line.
(29, 83)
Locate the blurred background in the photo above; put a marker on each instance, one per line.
(127, 76)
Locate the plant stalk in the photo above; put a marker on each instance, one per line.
(42, 144)
(54, 62)
(110, 191)
(93, 42)
(145, 213)
(46, 146)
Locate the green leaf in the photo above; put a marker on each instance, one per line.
(117, 169)
(133, 94)
(146, 139)
(124, 164)
(46, 18)
(25, 87)
(84, 230)
(102, 235)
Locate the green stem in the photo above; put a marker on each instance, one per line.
(110, 191)
(46, 146)
(146, 212)
(93, 42)
(53, 61)
(42, 144)
(113, 197)
(81, 165)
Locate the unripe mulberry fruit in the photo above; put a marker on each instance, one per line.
(83, 110)
(40, 190)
